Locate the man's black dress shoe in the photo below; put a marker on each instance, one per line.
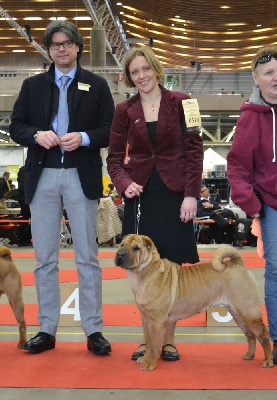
(39, 343)
(98, 344)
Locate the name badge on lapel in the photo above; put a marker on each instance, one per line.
(192, 113)
(83, 86)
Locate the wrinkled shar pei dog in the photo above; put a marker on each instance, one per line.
(166, 292)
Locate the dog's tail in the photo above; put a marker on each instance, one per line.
(226, 252)
(5, 252)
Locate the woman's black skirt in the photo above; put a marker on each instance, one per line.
(160, 220)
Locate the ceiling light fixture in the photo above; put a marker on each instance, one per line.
(32, 18)
(84, 18)
(57, 18)
(236, 24)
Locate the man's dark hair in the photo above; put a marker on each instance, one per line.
(66, 27)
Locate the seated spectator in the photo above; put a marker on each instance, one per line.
(113, 194)
(111, 190)
(4, 185)
(11, 194)
(223, 230)
(11, 184)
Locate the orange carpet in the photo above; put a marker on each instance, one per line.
(119, 273)
(251, 259)
(63, 254)
(116, 272)
(113, 315)
(111, 254)
(70, 365)
(71, 275)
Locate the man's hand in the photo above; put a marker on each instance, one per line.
(47, 139)
(207, 204)
(71, 141)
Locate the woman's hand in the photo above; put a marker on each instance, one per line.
(188, 209)
(133, 190)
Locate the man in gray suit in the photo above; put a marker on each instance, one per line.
(63, 170)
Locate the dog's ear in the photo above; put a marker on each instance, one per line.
(123, 239)
(5, 252)
(147, 242)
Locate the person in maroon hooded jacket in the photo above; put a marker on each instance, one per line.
(156, 164)
(252, 169)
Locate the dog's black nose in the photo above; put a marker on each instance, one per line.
(120, 257)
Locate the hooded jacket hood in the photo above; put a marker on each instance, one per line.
(256, 98)
(252, 164)
(257, 104)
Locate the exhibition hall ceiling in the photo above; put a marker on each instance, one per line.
(216, 34)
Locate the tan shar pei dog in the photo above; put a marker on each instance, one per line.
(10, 284)
(166, 292)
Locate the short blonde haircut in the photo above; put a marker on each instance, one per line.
(264, 51)
(150, 58)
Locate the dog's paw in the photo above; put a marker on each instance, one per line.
(141, 360)
(147, 366)
(267, 364)
(20, 345)
(248, 356)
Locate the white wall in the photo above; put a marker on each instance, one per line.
(11, 156)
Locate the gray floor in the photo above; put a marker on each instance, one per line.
(118, 291)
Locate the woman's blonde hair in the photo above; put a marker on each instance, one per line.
(150, 58)
(264, 51)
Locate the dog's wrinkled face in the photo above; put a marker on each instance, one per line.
(134, 252)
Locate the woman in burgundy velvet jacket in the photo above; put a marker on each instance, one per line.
(156, 164)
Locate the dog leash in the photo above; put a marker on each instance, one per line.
(138, 214)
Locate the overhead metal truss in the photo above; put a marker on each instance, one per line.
(212, 137)
(23, 33)
(108, 70)
(102, 14)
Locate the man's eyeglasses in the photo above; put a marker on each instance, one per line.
(265, 59)
(56, 46)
